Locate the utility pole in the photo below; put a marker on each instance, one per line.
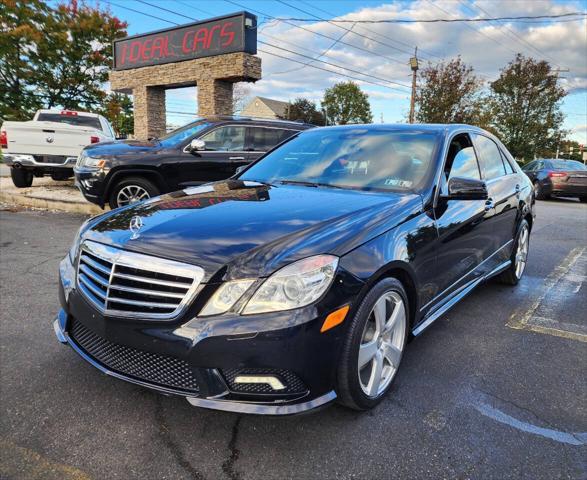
(414, 66)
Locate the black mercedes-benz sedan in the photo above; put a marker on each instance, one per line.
(298, 281)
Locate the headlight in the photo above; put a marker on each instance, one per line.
(90, 162)
(225, 297)
(294, 286)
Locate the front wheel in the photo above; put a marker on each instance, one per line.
(519, 256)
(21, 177)
(374, 346)
(132, 190)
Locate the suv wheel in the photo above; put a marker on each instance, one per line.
(132, 190)
(374, 346)
(519, 256)
(21, 178)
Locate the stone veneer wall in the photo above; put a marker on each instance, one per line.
(214, 77)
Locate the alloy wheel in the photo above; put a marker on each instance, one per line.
(522, 252)
(382, 344)
(131, 194)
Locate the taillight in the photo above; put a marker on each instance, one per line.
(69, 113)
(3, 139)
(557, 174)
(94, 139)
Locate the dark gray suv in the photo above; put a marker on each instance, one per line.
(207, 150)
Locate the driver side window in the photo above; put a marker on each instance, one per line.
(226, 139)
(461, 160)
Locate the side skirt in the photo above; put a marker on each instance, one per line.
(457, 296)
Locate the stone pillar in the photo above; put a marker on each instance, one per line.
(149, 111)
(214, 97)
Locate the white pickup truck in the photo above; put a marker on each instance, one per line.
(50, 143)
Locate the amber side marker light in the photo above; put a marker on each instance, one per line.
(335, 318)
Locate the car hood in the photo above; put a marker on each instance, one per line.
(119, 147)
(237, 229)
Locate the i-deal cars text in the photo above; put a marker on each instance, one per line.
(298, 281)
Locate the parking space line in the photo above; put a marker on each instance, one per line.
(576, 439)
(568, 272)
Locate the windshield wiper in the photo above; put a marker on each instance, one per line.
(308, 184)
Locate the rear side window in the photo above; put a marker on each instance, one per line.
(489, 158)
(508, 166)
(263, 139)
(92, 122)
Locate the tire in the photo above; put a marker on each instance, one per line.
(513, 275)
(583, 199)
(144, 189)
(21, 177)
(60, 176)
(539, 192)
(353, 382)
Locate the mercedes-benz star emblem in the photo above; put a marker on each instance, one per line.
(136, 223)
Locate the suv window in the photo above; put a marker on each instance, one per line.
(230, 138)
(262, 139)
(461, 160)
(489, 158)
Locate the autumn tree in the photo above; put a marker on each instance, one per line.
(118, 110)
(302, 109)
(72, 60)
(525, 107)
(346, 103)
(21, 29)
(449, 93)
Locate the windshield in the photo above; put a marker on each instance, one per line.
(359, 158)
(567, 165)
(79, 120)
(183, 133)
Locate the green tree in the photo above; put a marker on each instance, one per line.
(118, 109)
(449, 93)
(72, 60)
(305, 110)
(21, 29)
(346, 103)
(525, 107)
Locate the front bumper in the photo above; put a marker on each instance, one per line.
(289, 343)
(90, 182)
(18, 160)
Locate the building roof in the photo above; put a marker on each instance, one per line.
(276, 106)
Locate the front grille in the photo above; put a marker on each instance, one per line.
(122, 283)
(293, 383)
(148, 367)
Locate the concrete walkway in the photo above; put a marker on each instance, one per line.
(47, 194)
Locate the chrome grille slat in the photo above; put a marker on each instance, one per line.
(152, 280)
(110, 292)
(125, 301)
(94, 264)
(156, 293)
(96, 278)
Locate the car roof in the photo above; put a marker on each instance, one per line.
(257, 121)
(411, 127)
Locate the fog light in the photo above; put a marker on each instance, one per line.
(270, 380)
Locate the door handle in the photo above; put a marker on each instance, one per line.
(489, 204)
(236, 158)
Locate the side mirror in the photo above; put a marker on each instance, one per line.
(239, 169)
(466, 189)
(197, 145)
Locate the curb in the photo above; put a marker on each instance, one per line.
(50, 204)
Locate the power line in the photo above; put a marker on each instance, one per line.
(331, 71)
(443, 20)
(165, 9)
(334, 65)
(313, 32)
(341, 27)
(431, 54)
(142, 13)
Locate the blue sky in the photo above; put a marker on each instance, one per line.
(385, 53)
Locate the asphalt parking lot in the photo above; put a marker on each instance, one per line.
(497, 388)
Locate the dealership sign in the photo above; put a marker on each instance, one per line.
(217, 36)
